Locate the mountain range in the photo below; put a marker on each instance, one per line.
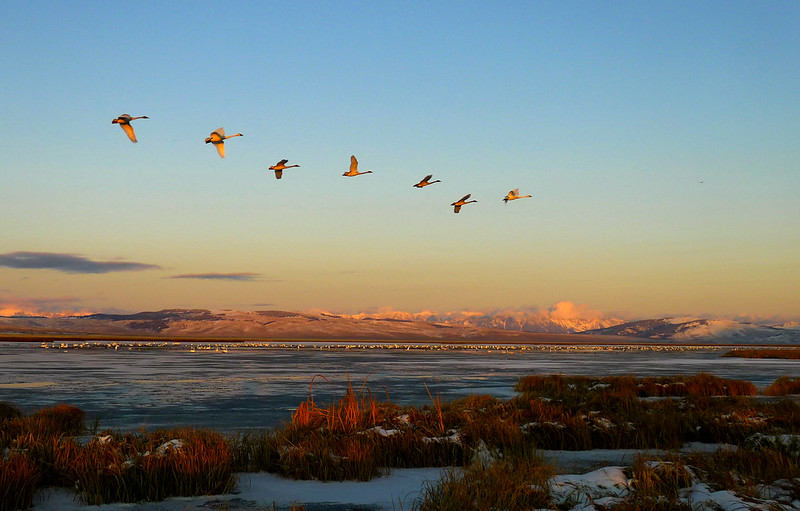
(509, 326)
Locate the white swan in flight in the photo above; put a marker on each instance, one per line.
(514, 195)
(124, 122)
(280, 167)
(460, 202)
(426, 181)
(218, 138)
(354, 169)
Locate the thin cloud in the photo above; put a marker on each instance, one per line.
(238, 277)
(68, 263)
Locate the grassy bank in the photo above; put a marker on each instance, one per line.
(494, 442)
(782, 353)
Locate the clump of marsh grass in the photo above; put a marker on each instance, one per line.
(657, 484)
(9, 411)
(18, 479)
(509, 484)
(750, 471)
(786, 353)
(624, 388)
(151, 467)
(357, 437)
(783, 386)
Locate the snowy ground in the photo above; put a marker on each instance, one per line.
(581, 489)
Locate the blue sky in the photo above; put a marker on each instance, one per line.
(658, 139)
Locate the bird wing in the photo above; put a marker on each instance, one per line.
(353, 164)
(425, 179)
(456, 209)
(515, 191)
(282, 162)
(128, 129)
(219, 131)
(465, 197)
(220, 148)
(278, 174)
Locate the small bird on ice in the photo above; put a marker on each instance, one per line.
(280, 167)
(218, 138)
(124, 122)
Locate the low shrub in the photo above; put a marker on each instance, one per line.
(60, 419)
(152, 467)
(508, 484)
(783, 386)
(18, 479)
(8, 411)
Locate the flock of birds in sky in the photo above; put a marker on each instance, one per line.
(218, 137)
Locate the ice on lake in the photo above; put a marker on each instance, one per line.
(231, 386)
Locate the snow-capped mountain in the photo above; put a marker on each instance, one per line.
(690, 329)
(561, 318)
(560, 323)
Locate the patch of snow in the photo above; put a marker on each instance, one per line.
(701, 497)
(172, 445)
(681, 320)
(397, 490)
(383, 432)
(790, 444)
(453, 437)
(485, 456)
(584, 489)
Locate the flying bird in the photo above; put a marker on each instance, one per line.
(426, 181)
(354, 168)
(217, 138)
(280, 167)
(514, 195)
(124, 122)
(460, 202)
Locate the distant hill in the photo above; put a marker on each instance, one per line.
(199, 323)
(705, 330)
(395, 325)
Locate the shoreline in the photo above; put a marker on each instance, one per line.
(545, 340)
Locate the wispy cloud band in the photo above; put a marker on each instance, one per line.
(241, 276)
(68, 263)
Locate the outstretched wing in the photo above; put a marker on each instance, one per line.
(128, 129)
(278, 174)
(467, 196)
(353, 164)
(456, 209)
(282, 162)
(426, 178)
(220, 148)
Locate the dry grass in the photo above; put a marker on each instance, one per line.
(787, 353)
(783, 386)
(151, 467)
(358, 437)
(519, 484)
(18, 479)
(625, 388)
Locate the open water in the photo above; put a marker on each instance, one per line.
(129, 386)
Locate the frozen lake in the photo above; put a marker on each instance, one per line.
(232, 387)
